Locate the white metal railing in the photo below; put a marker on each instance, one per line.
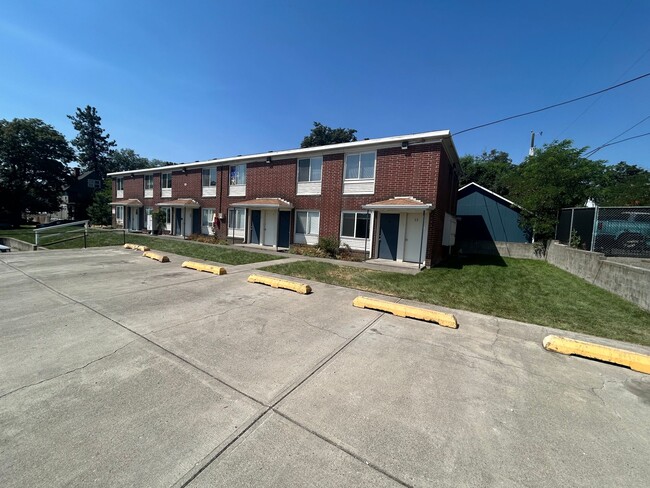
(37, 232)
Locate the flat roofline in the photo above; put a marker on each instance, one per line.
(412, 139)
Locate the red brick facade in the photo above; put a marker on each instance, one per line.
(423, 171)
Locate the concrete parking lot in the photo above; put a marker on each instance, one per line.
(116, 370)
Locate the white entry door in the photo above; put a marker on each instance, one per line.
(270, 224)
(413, 237)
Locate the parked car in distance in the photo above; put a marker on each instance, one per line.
(629, 234)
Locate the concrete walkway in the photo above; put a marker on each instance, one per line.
(116, 370)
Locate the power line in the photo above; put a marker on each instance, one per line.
(555, 105)
(594, 151)
(614, 143)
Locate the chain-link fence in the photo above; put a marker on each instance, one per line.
(614, 231)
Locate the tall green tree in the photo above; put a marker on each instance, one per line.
(557, 176)
(490, 170)
(99, 211)
(93, 146)
(33, 167)
(128, 160)
(625, 184)
(322, 135)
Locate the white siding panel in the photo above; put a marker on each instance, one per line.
(209, 191)
(309, 188)
(237, 191)
(351, 187)
(356, 244)
(148, 193)
(166, 193)
(119, 193)
(305, 239)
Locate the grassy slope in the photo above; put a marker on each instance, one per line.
(97, 238)
(519, 289)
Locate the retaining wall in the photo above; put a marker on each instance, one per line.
(16, 244)
(519, 250)
(629, 282)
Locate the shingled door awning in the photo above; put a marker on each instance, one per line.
(131, 202)
(270, 203)
(399, 203)
(181, 202)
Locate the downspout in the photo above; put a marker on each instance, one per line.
(421, 238)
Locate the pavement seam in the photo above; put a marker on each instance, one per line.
(344, 449)
(145, 338)
(67, 372)
(189, 478)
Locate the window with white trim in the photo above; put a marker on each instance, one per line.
(209, 177)
(119, 184)
(238, 175)
(119, 214)
(307, 222)
(237, 218)
(167, 212)
(360, 166)
(166, 185)
(310, 169)
(148, 186)
(355, 225)
(148, 182)
(207, 219)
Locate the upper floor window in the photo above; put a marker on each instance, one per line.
(148, 182)
(310, 169)
(209, 182)
(209, 177)
(166, 185)
(119, 184)
(360, 166)
(166, 180)
(96, 184)
(238, 175)
(237, 181)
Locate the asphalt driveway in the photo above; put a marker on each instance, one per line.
(116, 370)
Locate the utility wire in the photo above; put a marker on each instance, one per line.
(594, 102)
(594, 151)
(554, 105)
(614, 143)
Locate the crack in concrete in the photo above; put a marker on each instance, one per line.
(67, 372)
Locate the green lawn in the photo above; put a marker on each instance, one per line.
(98, 238)
(519, 289)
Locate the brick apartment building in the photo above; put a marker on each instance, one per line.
(392, 198)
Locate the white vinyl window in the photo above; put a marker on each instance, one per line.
(307, 222)
(148, 182)
(148, 186)
(207, 219)
(237, 218)
(310, 169)
(119, 184)
(360, 166)
(237, 181)
(209, 182)
(166, 185)
(355, 225)
(238, 175)
(167, 211)
(119, 214)
(359, 173)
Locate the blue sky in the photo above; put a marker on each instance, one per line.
(192, 80)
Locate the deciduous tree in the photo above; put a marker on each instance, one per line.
(322, 135)
(557, 176)
(33, 167)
